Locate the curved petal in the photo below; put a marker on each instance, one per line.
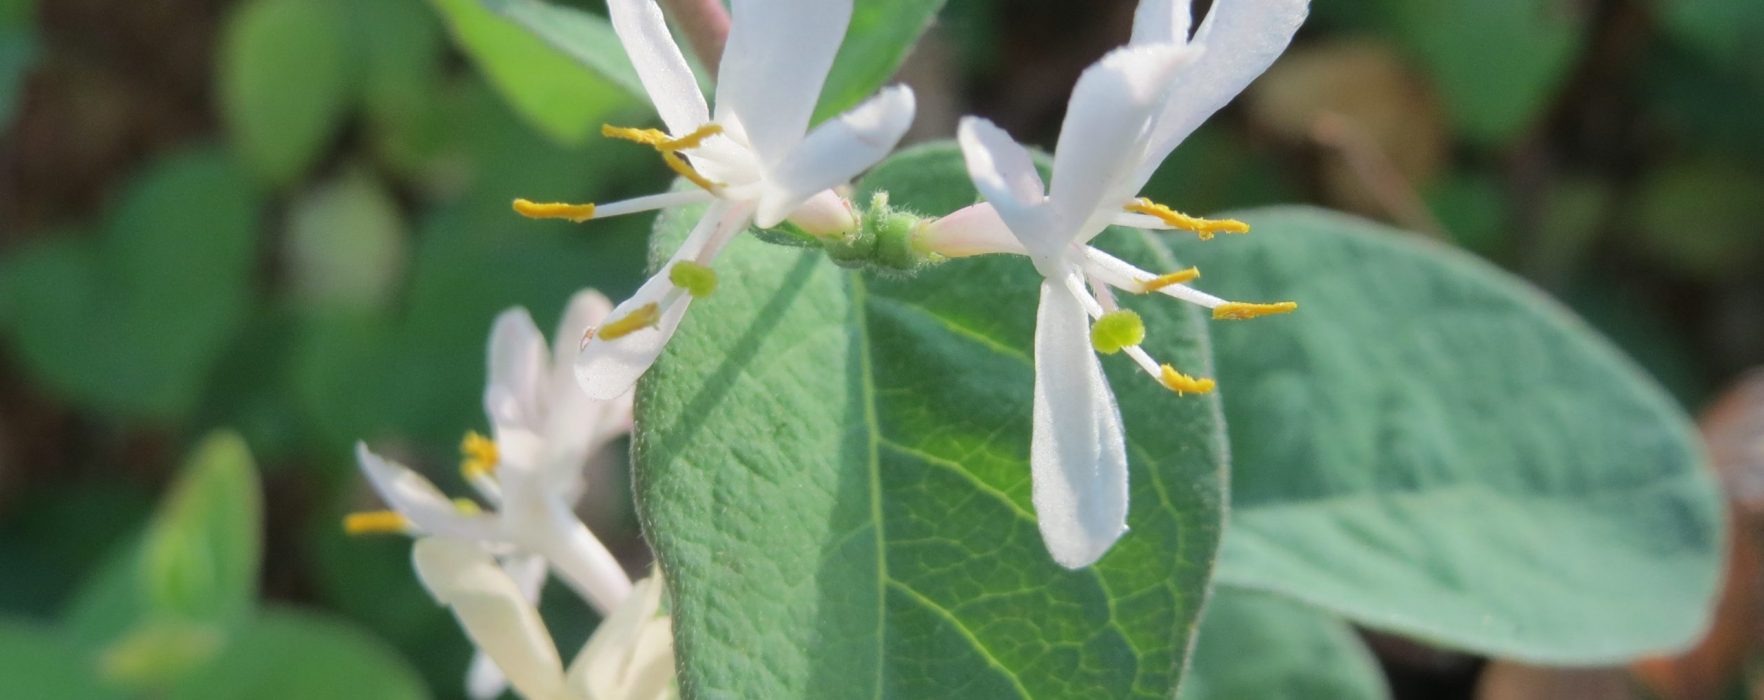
(835, 152)
(1239, 39)
(1077, 453)
(660, 65)
(631, 653)
(1161, 22)
(575, 423)
(1005, 175)
(518, 364)
(1105, 133)
(975, 229)
(778, 55)
(417, 499)
(497, 617)
(484, 679)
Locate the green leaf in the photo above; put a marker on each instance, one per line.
(132, 323)
(285, 82)
(346, 246)
(400, 44)
(549, 88)
(1701, 218)
(1431, 447)
(40, 662)
(203, 547)
(1255, 645)
(833, 468)
(18, 52)
(586, 37)
(297, 655)
(881, 34)
(1497, 63)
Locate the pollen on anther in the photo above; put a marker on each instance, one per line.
(478, 455)
(1205, 228)
(1237, 311)
(375, 522)
(577, 213)
(1182, 383)
(1174, 278)
(644, 317)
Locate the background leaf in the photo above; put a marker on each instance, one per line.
(881, 34)
(1428, 446)
(833, 470)
(1255, 645)
(38, 662)
(548, 88)
(292, 655)
(203, 547)
(284, 82)
(584, 36)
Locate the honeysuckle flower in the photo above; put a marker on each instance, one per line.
(755, 162)
(629, 657)
(1126, 114)
(530, 475)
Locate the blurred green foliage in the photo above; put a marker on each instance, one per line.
(313, 252)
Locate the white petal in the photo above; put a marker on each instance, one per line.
(972, 230)
(1240, 39)
(575, 423)
(631, 654)
(659, 63)
(541, 523)
(1105, 133)
(835, 152)
(1161, 22)
(607, 369)
(518, 365)
(1078, 453)
(417, 499)
(484, 679)
(1005, 175)
(778, 55)
(494, 613)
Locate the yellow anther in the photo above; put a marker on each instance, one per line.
(554, 210)
(644, 317)
(375, 522)
(1182, 383)
(678, 165)
(647, 137)
(1237, 311)
(669, 147)
(1205, 228)
(693, 139)
(478, 455)
(467, 506)
(1174, 278)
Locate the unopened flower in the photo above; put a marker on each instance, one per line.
(1126, 114)
(629, 657)
(530, 475)
(756, 162)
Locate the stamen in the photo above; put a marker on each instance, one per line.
(1174, 278)
(375, 522)
(1116, 330)
(577, 213)
(1182, 383)
(479, 455)
(669, 147)
(467, 506)
(644, 317)
(696, 279)
(1237, 311)
(1205, 228)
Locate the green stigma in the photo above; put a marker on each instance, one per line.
(1116, 330)
(696, 279)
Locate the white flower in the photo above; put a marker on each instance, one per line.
(1126, 114)
(755, 162)
(531, 474)
(629, 657)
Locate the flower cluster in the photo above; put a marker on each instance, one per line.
(755, 162)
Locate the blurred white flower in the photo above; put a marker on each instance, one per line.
(530, 475)
(1126, 114)
(629, 657)
(756, 162)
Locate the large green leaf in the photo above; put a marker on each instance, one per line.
(203, 547)
(584, 36)
(1431, 447)
(546, 85)
(1255, 645)
(297, 655)
(833, 468)
(41, 663)
(284, 82)
(881, 34)
(131, 323)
